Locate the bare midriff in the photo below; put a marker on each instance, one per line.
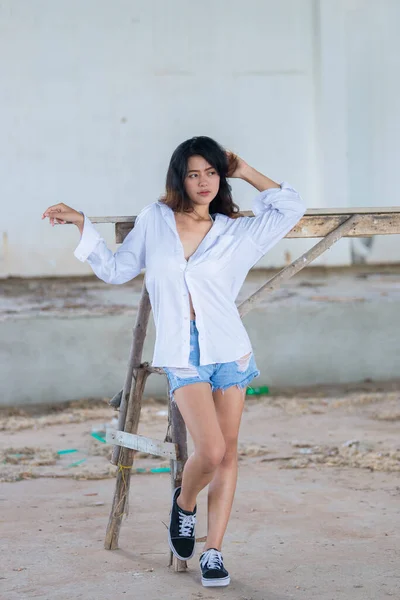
(192, 313)
(191, 234)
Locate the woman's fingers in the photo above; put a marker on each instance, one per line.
(52, 211)
(60, 214)
(54, 217)
(57, 208)
(48, 211)
(60, 205)
(55, 221)
(233, 161)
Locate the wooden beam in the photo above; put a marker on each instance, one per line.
(296, 266)
(135, 357)
(120, 506)
(314, 224)
(310, 212)
(141, 443)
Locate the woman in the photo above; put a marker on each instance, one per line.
(197, 250)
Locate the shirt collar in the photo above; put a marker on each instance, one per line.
(168, 214)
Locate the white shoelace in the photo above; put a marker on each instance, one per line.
(186, 524)
(211, 559)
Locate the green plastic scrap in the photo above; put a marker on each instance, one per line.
(98, 437)
(257, 391)
(78, 462)
(161, 470)
(155, 470)
(67, 451)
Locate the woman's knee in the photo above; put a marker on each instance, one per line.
(212, 455)
(231, 450)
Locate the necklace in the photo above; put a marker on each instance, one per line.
(201, 218)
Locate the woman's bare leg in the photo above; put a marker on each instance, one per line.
(229, 407)
(197, 407)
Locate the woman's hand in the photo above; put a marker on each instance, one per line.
(59, 214)
(236, 165)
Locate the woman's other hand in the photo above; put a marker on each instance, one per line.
(60, 214)
(236, 165)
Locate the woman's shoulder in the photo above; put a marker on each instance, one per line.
(147, 211)
(228, 222)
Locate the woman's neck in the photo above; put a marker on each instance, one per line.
(202, 212)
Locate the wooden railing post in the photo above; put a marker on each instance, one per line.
(128, 421)
(135, 357)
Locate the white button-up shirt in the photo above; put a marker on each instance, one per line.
(212, 276)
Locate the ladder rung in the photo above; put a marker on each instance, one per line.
(141, 443)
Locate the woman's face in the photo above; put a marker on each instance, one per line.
(201, 181)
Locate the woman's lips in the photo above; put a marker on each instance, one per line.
(204, 193)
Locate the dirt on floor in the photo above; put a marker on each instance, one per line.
(316, 513)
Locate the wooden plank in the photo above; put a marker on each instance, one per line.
(344, 210)
(296, 266)
(120, 505)
(141, 443)
(130, 394)
(367, 225)
(370, 210)
(120, 219)
(317, 223)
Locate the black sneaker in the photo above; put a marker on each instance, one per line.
(181, 536)
(213, 573)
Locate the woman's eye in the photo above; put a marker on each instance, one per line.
(211, 172)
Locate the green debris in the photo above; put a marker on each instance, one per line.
(151, 470)
(99, 437)
(257, 391)
(78, 462)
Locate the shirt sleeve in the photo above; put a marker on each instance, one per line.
(276, 210)
(121, 266)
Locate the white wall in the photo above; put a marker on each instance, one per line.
(96, 95)
(373, 117)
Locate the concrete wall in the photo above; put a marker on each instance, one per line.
(64, 340)
(60, 359)
(97, 94)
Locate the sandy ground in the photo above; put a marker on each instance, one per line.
(88, 296)
(316, 513)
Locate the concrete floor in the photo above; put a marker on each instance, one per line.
(63, 339)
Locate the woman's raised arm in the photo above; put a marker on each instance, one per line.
(112, 267)
(277, 208)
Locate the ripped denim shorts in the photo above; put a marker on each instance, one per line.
(219, 375)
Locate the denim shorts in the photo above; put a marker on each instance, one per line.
(219, 375)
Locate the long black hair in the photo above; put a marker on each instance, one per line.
(224, 163)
